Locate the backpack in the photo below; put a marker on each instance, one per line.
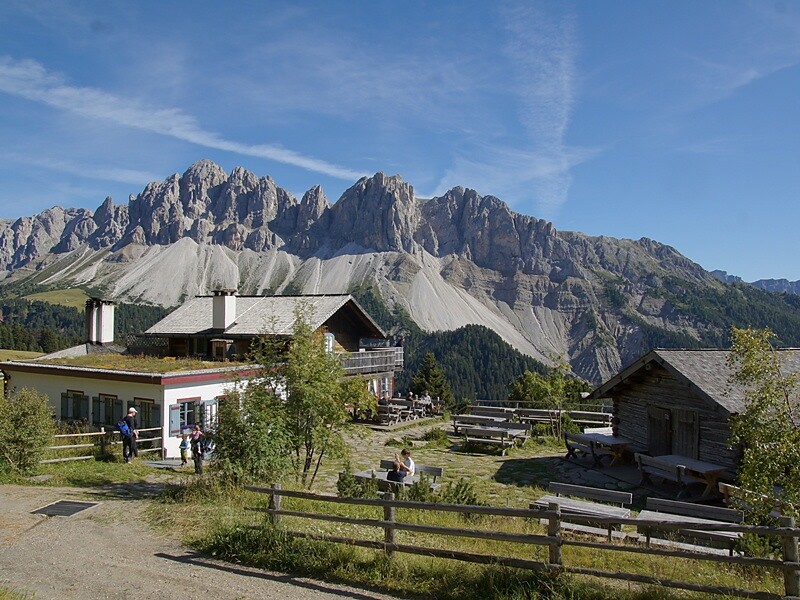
(123, 428)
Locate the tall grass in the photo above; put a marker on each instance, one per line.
(214, 521)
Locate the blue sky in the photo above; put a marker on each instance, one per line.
(678, 121)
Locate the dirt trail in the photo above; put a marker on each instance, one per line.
(109, 551)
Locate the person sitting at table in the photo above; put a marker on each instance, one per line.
(403, 466)
(427, 403)
(383, 400)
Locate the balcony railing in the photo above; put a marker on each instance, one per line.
(372, 361)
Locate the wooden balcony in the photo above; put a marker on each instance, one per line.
(372, 361)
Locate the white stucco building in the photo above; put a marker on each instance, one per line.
(212, 330)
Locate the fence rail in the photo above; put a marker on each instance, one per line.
(553, 539)
(105, 441)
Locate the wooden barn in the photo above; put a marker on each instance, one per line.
(680, 402)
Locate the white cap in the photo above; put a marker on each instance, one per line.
(131, 410)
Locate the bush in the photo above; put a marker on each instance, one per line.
(250, 441)
(404, 442)
(350, 487)
(437, 437)
(26, 428)
(461, 492)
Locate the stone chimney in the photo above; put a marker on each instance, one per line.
(224, 309)
(99, 321)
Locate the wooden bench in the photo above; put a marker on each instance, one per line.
(409, 409)
(576, 444)
(594, 502)
(609, 430)
(503, 434)
(501, 413)
(386, 485)
(734, 497)
(672, 511)
(387, 415)
(550, 415)
(460, 421)
(649, 466)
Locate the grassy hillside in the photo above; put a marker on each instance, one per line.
(17, 354)
(73, 297)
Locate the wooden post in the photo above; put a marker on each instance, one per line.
(554, 530)
(275, 504)
(791, 577)
(103, 442)
(389, 517)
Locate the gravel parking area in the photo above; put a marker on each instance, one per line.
(109, 551)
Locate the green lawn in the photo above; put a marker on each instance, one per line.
(215, 520)
(74, 297)
(17, 354)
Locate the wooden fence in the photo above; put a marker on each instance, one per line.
(102, 442)
(553, 539)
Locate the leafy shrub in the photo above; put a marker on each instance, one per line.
(460, 492)
(403, 442)
(420, 491)
(26, 428)
(568, 425)
(250, 440)
(349, 486)
(437, 437)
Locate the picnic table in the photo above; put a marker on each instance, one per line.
(602, 443)
(475, 420)
(501, 434)
(698, 470)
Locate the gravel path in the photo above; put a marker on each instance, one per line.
(108, 551)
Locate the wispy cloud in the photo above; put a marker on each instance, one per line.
(535, 165)
(105, 173)
(31, 80)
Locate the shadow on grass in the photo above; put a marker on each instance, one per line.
(538, 470)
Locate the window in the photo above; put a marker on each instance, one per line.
(106, 409)
(148, 412)
(189, 412)
(74, 406)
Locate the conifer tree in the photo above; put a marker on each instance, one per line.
(430, 378)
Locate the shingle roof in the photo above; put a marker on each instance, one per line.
(255, 315)
(706, 371)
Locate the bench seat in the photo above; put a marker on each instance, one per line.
(586, 502)
(649, 465)
(671, 511)
(386, 485)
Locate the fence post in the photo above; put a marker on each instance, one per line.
(554, 530)
(791, 577)
(275, 504)
(388, 516)
(103, 442)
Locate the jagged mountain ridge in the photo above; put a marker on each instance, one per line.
(449, 261)
(769, 285)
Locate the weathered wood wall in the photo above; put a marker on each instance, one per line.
(658, 387)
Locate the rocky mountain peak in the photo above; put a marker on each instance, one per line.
(378, 212)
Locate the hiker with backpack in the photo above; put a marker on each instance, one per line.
(129, 437)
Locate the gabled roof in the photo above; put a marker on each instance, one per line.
(256, 315)
(706, 372)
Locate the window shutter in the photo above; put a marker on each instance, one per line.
(156, 415)
(97, 411)
(83, 402)
(65, 406)
(117, 410)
